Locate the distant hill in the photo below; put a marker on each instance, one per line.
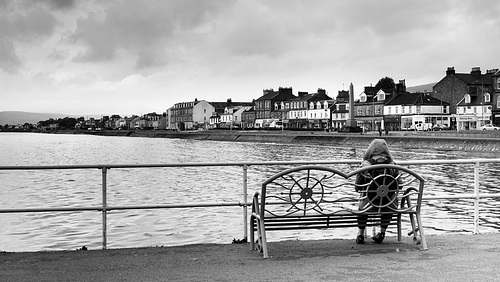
(15, 117)
(421, 88)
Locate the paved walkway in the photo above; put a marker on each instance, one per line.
(449, 258)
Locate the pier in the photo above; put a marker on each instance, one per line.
(449, 258)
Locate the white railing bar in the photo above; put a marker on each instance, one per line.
(263, 163)
(476, 200)
(210, 204)
(130, 207)
(104, 209)
(244, 199)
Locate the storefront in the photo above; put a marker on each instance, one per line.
(467, 122)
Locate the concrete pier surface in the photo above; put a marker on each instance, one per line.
(463, 257)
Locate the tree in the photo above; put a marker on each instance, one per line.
(386, 83)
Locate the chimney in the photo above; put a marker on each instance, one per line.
(321, 91)
(283, 90)
(476, 71)
(450, 71)
(302, 93)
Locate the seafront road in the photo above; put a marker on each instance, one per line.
(463, 257)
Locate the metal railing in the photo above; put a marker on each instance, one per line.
(104, 207)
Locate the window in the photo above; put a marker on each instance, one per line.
(487, 98)
(311, 105)
(498, 83)
(467, 98)
(362, 98)
(276, 106)
(380, 95)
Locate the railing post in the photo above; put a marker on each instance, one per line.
(104, 208)
(245, 196)
(476, 199)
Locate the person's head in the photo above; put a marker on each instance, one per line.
(377, 148)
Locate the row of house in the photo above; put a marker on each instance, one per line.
(146, 121)
(459, 100)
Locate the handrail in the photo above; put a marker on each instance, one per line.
(104, 207)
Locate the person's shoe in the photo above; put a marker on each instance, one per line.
(360, 239)
(379, 237)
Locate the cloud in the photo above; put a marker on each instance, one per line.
(22, 24)
(147, 30)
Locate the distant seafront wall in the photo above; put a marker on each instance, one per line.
(447, 141)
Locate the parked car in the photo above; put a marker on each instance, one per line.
(421, 127)
(489, 127)
(439, 127)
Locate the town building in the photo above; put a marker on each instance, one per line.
(415, 111)
(319, 110)
(469, 95)
(232, 116)
(340, 110)
(248, 119)
(370, 107)
(268, 107)
(495, 102)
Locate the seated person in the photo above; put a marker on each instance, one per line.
(376, 153)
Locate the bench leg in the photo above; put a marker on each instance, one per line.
(263, 239)
(252, 232)
(398, 218)
(421, 231)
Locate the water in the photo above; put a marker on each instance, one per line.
(72, 230)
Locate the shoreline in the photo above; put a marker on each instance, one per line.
(311, 260)
(408, 140)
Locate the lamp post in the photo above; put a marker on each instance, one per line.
(373, 113)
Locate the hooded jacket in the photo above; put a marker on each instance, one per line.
(376, 153)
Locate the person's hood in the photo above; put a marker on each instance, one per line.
(377, 148)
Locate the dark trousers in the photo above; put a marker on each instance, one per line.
(385, 219)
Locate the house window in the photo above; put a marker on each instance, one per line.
(276, 106)
(311, 105)
(389, 110)
(381, 96)
(498, 83)
(487, 97)
(467, 98)
(362, 98)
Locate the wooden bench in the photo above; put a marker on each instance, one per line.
(318, 197)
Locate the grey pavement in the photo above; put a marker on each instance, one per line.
(463, 257)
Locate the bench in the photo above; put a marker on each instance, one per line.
(319, 197)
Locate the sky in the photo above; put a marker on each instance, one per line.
(135, 57)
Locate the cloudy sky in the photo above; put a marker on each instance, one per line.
(133, 57)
